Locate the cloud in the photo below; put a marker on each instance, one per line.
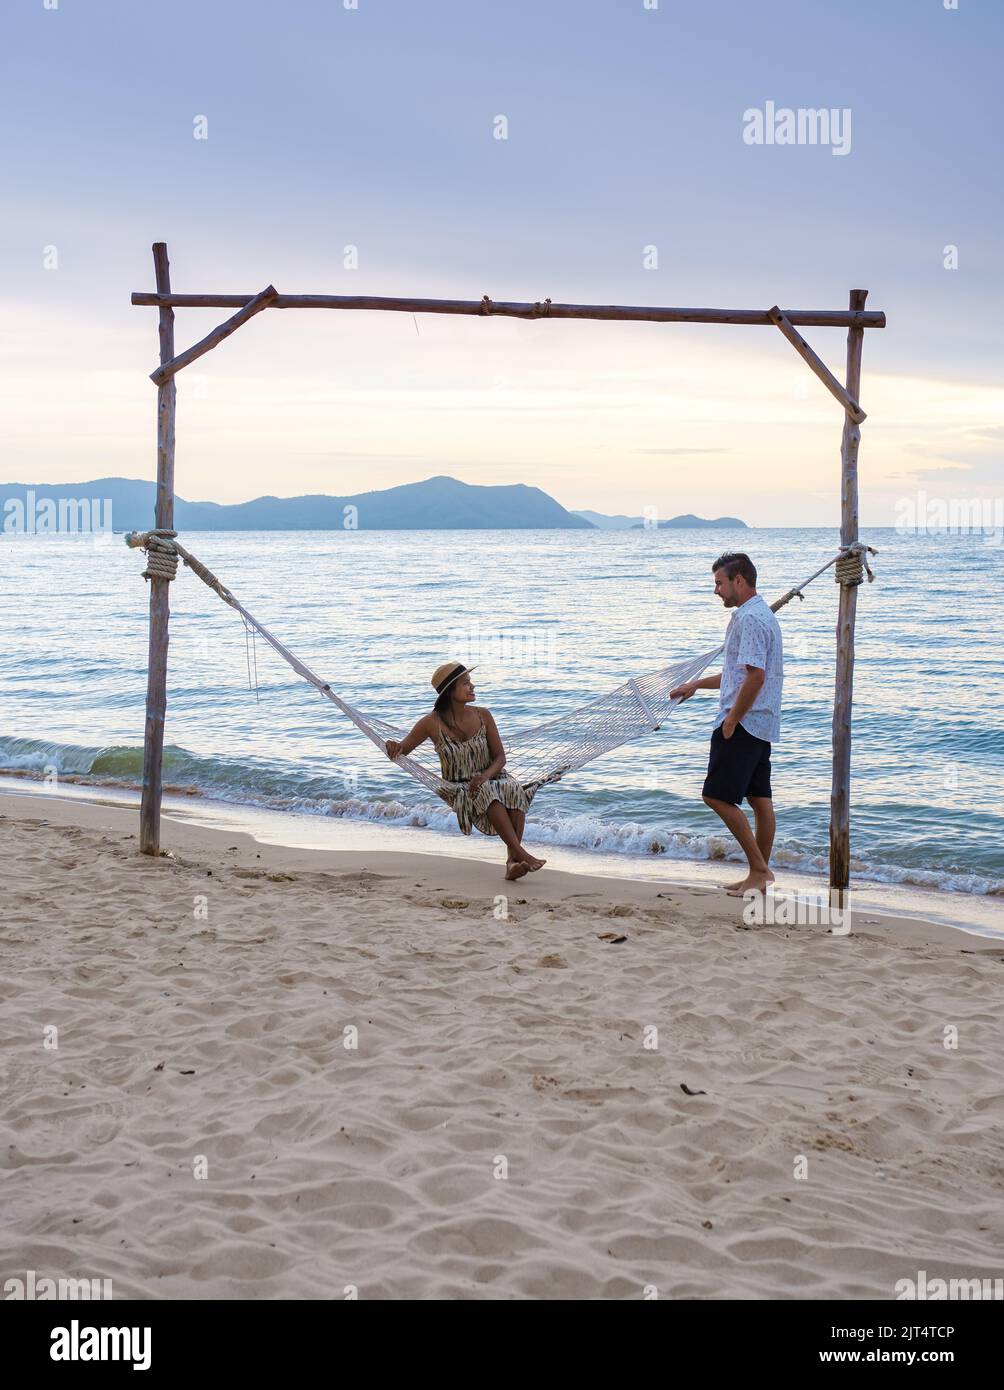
(977, 476)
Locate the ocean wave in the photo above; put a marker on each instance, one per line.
(119, 764)
(270, 789)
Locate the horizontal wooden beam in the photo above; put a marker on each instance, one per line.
(251, 307)
(813, 318)
(835, 387)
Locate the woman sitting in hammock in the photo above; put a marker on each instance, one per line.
(471, 751)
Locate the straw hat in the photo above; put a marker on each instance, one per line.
(450, 671)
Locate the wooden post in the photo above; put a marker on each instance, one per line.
(840, 792)
(261, 301)
(815, 363)
(814, 318)
(160, 603)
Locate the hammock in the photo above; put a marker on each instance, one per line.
(545, 752)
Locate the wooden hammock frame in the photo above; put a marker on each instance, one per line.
(854, 318)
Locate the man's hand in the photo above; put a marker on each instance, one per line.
(392, 749)
(728, 725)
(684, 691)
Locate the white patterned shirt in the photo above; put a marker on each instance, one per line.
(753, 638)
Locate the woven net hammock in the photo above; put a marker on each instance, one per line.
(546, 752)
(538, 755)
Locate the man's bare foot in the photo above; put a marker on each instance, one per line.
(515, 869)
(741, 882)
(753, 883)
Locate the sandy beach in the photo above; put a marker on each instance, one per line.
(284, 1073)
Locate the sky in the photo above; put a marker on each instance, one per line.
(353, 149)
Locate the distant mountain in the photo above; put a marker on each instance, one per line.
(608, 523)
(625, 523)
(682, 522)
(436, 504)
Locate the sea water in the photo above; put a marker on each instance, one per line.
(551, 619)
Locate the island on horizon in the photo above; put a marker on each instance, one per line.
(434, 504)
(638, 523)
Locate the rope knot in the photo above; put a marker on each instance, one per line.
(161, 551)
(539, 310)
(486, 305)
(853, 564)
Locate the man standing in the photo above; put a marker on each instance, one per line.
(749, 717)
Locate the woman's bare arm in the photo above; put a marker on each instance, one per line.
(421, 731)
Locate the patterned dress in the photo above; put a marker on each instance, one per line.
(460, 761)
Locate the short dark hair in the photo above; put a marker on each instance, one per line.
(735, 562)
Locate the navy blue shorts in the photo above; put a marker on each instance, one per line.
(737, 767)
